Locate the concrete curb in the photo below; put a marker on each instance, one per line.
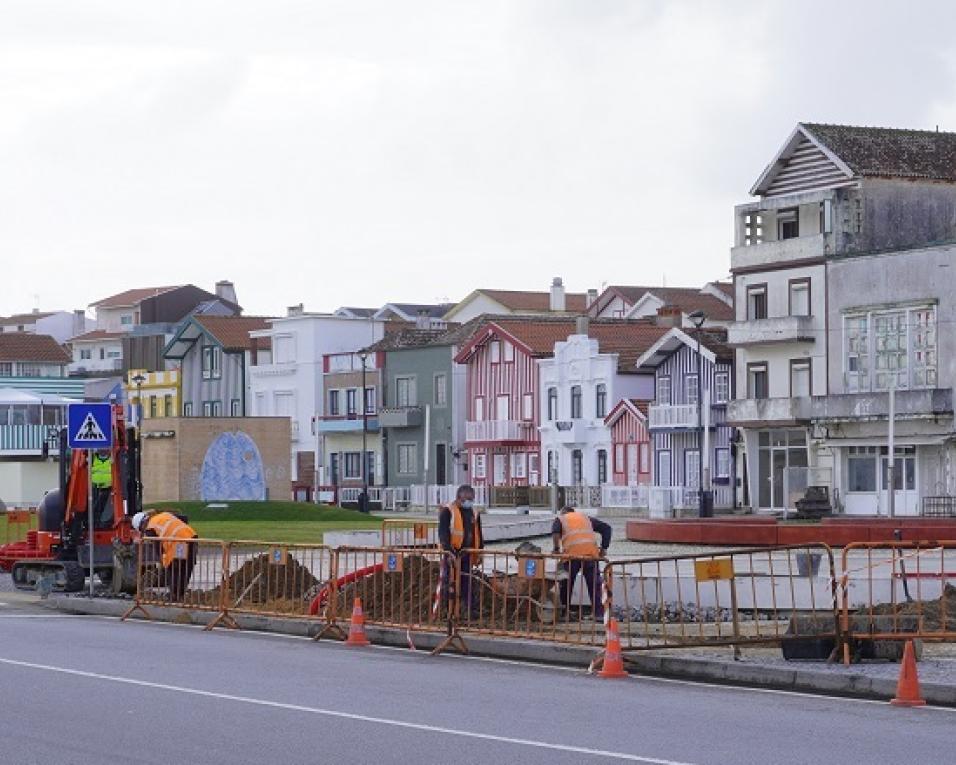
(799, 678)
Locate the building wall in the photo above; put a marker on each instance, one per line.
(23, 483)
(216, 458)
(629, 437)
(111, 319)
(109, 363)
(196, 390)
(480, 304)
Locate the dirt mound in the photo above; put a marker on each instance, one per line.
(936, 614)
(260, 581)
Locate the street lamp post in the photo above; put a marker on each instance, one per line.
(363, 501)
(139, 379)
(703, 506)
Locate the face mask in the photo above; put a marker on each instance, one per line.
(467, 504)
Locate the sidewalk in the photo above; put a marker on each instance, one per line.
(760, 667)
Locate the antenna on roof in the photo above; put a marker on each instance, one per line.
(663, 280)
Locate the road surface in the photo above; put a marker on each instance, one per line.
(93, 690)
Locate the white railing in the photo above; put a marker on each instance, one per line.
(351, 493)
(23, 438)
(625, 496)
(673, 416)
(499, 430)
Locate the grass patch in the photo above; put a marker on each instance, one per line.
(289, 522)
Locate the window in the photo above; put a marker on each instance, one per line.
(788, 224)
(904, 468)
(407, 459)
(552, 467)
(113, 354)
(30, 370)
(799, 377)
(235, 408)
(722, 463)
(370, 467)
(645, 458)
(211, 362)
(575, 402)
(334, 410)
(527, 406)
(519, 465)
(663, 476)
(861, 468)
(188, 409)
(691, 389)
(826, 216)
(507, 352)
(207, 408)
(503, 408)
(692, 469)
(757, 302)
(494, 349)
(153, 406)
(334, 468)
(757, 381)
(664, 390)
(351, 402)
(600, 400)
(577, 467)
(167, 405)
(899, 346)
(479, 466)
(353, 464)
(800, 297)
(126, 321)
(441, 390)
(721, 388)
(602, 466)
(405, 391)
(479, 408)
(283, 349)
(86, 353)
(217, 408)
(370, 402)
(618, 458)
(102, 353)
(753, 229)
(552, 403)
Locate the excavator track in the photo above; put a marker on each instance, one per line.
(61, 576)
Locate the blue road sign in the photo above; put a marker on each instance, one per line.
(531, 567)
(90, 426)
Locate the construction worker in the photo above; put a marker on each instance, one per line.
(459, 529)
(573, 535)
(101, 472)
(177, 553)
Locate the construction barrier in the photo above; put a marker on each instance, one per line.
(896, 591)
(16, 523)
(398, 532)
(531, 596)
(193, 576)
(750, 596)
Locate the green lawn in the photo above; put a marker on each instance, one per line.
(270, 521)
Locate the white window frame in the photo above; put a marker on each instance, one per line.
(872, 344)
(721, 387)
(721, 462)
(519, 465)
(644, 457)
(409, 396)
(507, 352)
(440, 397)
(692, 469)
(211, 362)
(282, 343)
(494, 351)
(527, 407)
(619, 462)
(664, 383)
(691, 389)
(352, 465)
(407, 458)
(479, 465)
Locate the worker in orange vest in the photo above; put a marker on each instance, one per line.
(176, 548)
(573, 534)
(459, 530)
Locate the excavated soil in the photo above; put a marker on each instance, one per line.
(284, 588)
(931, 611)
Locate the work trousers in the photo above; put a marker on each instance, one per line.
(462, 592)
(591, 570)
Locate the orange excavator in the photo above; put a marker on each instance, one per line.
(58, 552)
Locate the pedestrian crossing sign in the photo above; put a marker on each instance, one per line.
(90, 426)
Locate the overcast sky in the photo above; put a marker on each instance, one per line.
(363, 152)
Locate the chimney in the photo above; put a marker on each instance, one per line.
(581, 325)
(295, 310)
(36, 311)
(592, 297)
(79, 322)
(226, 290)
(421, 319)
(669, 316)
(557, 294)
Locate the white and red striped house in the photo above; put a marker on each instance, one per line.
(631, 462)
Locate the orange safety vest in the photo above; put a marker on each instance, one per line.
(168, 527)
(577, 536)
(457, 528)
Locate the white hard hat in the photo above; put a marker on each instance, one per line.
(138, 519)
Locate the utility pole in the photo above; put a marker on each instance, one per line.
(890, 466)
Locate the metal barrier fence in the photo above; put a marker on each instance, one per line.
(16, 523)
(740, 597)
(398, 532)
(896, 591)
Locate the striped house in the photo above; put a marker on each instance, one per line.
(631, 462)
(673, 418)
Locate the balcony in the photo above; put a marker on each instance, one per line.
(500, 431)
(754, 412)
(349, 424)
(780, 329)
(780, 251)
(672, 417)
(565, 431)
(400, 417)
(24, 440)
(272, 370)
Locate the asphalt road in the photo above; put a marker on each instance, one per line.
(93, 690)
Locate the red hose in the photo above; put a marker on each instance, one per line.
(319, 600)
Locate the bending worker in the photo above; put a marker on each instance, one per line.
(573, 533)
(178, 554)
(459, 529)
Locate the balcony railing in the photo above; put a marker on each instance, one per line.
(23, 439)
(401, 416)
(673, 416)
(499, 430)
(768, 253)
(780, 329)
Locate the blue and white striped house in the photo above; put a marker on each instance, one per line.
(673, 415)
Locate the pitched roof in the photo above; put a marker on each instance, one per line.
(433, 311)
(25, 346)
(890, 152)
(96, 334)
(539, 302)
(232, 332)
(635, 405)
(364, 313)
(24, 318)
(688, 299)
(407, 338)
(131, 297)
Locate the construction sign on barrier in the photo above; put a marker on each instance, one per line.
(393, 563)
(716, 568)
(530, 568)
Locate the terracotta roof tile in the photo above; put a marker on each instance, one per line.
(96, 334)
(539, 302)
(131, 297)
(232, 332)
(688, 299)
(25, 346)
(23, 318)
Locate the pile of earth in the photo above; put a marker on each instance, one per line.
(938, 614)
(286, 587)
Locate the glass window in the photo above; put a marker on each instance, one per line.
(479, 466)
(552, 403)
(126, 320)
(645, 457)
(353, 464)
(799, 378)
(207, 408)
(861, 468)
(577, 467)
(188, 409)
(527, 406)
(408, 459)
(370, 467)
(441, 390)
(600, 400)
(757, 383)
(494, 350)
(722, 463)
(692, 389)
(602, 466)
(692, 469)
(480, 408)
(211, 362)
(663, 476)
(217, 408)
(901, 344)
(575, 402)
(800, 298)
(721, 388)
(334, 409)
(507, 351)
(235, 408)
(153, 406)
(664, 390)
(826, 216)
(757, 302)
(618, 458)
(283, 349)
(405, 391)
(167, 405)
(519, 465)
(351, 402)
(370, 401)
(788, 224)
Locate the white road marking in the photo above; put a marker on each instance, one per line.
(347, 715)
(38, 616)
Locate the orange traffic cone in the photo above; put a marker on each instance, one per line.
(907, 689)
(357, 634)
(613, 661)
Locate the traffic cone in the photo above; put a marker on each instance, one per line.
(357, 634)
(907, 688)
(613, 661)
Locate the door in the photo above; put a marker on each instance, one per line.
(632, 465)
(906, 497)
(664, 469)
(779, 464)
(499, 474)
(440, 478)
